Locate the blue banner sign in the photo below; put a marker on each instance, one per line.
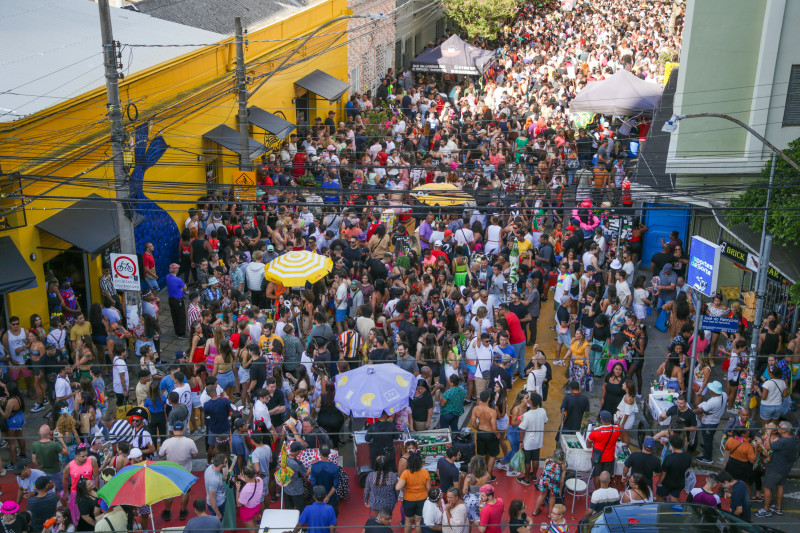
(703, 268)
(719, 324)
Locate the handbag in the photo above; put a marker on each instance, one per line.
(121, 411)
(517, 462)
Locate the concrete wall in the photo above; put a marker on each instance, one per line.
(736, 59)
(370, 51)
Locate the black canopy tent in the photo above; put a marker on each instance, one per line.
(454, 56)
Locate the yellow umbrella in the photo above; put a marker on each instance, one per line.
(442, 194)
(295, 269)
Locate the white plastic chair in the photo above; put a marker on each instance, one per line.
(578, 486)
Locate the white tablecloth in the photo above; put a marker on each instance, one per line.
(279, 520)
(580, 459)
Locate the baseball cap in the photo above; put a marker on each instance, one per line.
(319, 492)
(240, 422)
(270, 248)
(49, 346)
(178, 425)
(20, 466)
(296, 447)
(437, 243)
(505, 359)
(649, 443)
(135, 453)
(605, 416)
(448, 233)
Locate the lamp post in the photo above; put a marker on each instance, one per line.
(766, 242)
(244, 124)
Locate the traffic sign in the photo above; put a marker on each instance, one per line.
(125, 272)
(244, 185)
(720, 324)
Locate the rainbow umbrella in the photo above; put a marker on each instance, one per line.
(283, 475)
(146, 483)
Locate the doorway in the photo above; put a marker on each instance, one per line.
(73, 264)
(303, 105)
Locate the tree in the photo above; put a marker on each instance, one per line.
(783, 219)
(481, 18)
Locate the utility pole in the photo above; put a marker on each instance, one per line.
(127, 239)
(241, 86)
(761, 282)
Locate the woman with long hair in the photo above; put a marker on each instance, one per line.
(14, 413)
(223, 365)
(330, 418)
(212, 349)
(551, 482)
(158, 417)
(478, 475)
(85, 356)
(613, 390)
(36, 325)
(88, 505)
(66, 432)
(638, 491)
(415, 482)
(36, 350)
(379, 488)
(249, 490)
(513, 434)
(197, 344)
(626, 411)
(196, 385)
(670, 371)
(86, 409)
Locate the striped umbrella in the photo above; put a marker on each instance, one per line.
(442, 194)
(146, 483)
(295, 269)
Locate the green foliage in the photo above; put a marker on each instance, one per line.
(668, 55)
(377, 122)
(481, 18)
(794, 292)
(307, 180)
(782, 223)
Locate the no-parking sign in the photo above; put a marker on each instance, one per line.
(125, 272)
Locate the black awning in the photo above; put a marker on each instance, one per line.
(278, 126)
(782, 257)
(90, 224)
(228, 137)
(324, 85)
(15, 274)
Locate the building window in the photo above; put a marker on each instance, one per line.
(440, 28)
(355, 80)
(791, 113)
(399, 64)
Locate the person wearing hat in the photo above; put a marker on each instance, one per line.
(211, 293)
(604, 440)
(43, 503)
(711, 412)
(26, 479)
(294, 490)
(12, 520)
(644, 462)
(491, 518)
(319, 516)
(180, 450)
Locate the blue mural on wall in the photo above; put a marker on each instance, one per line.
(158, 226)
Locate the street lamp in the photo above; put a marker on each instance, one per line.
(671, 126)
(244, 94)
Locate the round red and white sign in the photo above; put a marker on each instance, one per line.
(124, 267)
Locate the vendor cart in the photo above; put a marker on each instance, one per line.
(361, 452)
(658, 402)
(433, 444)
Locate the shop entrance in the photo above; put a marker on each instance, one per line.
(73, 263)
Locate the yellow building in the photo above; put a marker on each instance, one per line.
(180, 108)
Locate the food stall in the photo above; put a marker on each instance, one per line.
(659, 401)
(433, 444)
(579, 453)
(361, 451)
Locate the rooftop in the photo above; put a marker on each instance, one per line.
(53, 52)
(218, 15)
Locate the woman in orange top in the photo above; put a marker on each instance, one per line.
(415, 482)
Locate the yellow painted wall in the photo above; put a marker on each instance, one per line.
(71, 139)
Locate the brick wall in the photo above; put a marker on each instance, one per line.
(370, 50)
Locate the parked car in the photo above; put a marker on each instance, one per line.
(668, 518)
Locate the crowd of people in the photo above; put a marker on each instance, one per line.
(452, 295)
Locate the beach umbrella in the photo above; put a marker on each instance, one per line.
(283, 475)
(296, 269)
(371, 390)
(442, 194)
(146, 483)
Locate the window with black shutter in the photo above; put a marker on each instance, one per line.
(791, 113)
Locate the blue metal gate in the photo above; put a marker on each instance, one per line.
(661, 219)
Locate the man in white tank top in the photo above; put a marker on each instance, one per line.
(14, 342)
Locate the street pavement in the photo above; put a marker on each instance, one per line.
(656, 348)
